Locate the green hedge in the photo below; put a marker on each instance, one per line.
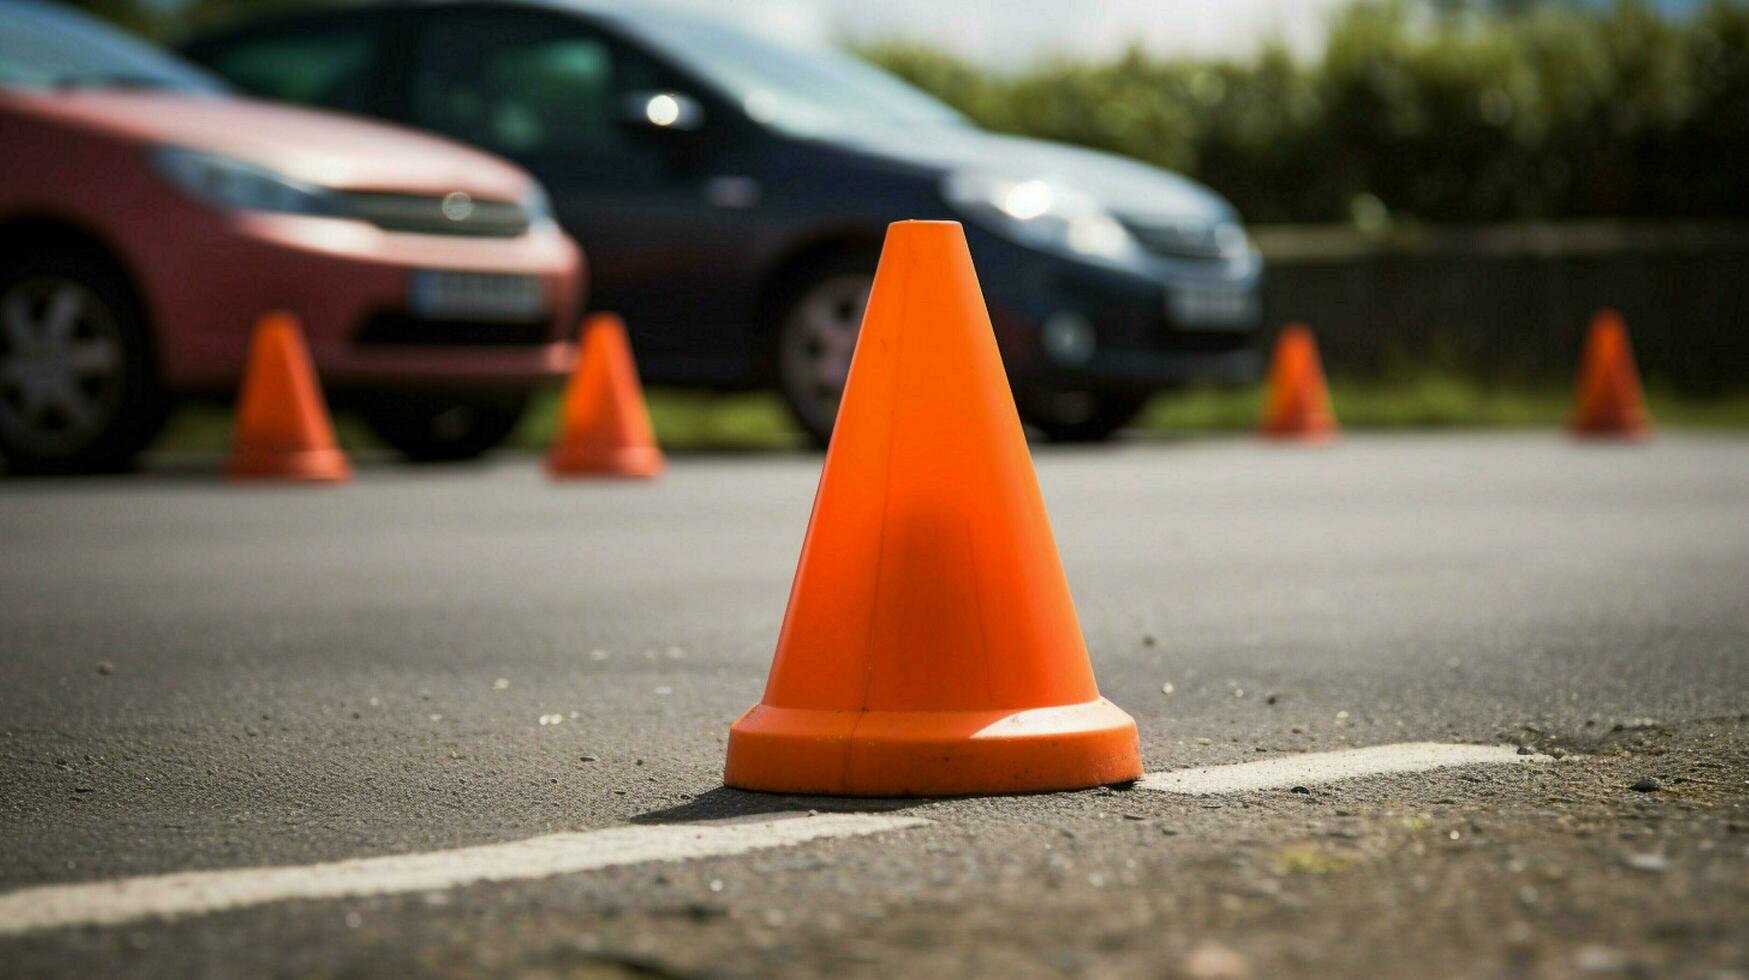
(1560, 111)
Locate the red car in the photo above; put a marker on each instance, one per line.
(147, 218)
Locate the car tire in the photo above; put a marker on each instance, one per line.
(79, 388)
(431, 427)
(1078, 416)
(816, 336)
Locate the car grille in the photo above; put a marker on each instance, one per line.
(1135, 330)
(400, 330)
(1180, 239)
(424, 214)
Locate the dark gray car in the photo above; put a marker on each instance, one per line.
(731, 193)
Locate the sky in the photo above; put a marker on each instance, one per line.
(1015, 33)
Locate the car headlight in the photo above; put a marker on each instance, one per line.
(1231, 240)
(238, 185)
(537, 207)
(1041, 212)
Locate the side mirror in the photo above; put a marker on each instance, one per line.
(661, 110)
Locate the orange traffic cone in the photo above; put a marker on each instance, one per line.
(604, 428)
(931, 645)
(1610, 402)
(1299, 402)
(283, 432)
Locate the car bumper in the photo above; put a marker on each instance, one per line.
(1147, 370)
(1131, 325)
(344, 280)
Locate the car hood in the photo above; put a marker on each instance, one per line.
(1125, 186)
(323, 148)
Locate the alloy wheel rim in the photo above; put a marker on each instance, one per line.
(818, 342)
(60, 363)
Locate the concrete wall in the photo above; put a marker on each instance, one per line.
(1511, 302)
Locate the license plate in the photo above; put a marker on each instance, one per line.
(475, 295)
(1211, 308)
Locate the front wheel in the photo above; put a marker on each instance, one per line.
(816, 338)
(435, 428)
(1078, 416)
(78, 388)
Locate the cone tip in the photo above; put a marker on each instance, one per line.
(277, 320)
(917, 231)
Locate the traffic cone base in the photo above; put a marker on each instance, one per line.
(1312, 435)
(1610, 403)
(1298, 406)
(282, 428)
(569, 462)
(1629, 429)
(931, 645)
(1636, 431)
(314, 465)
(932, 753)
(604, 425)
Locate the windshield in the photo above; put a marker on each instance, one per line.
(808, 90)
(43, 46)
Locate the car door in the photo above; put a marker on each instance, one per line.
(557, 94)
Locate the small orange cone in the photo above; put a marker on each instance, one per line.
(282, 429)
(604, 427)
(931, 645)
(1610, 402)
(1299, 402)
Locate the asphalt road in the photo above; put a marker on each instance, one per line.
(195, 676)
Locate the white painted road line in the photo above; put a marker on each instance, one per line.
(202, 892)
(1328, 767)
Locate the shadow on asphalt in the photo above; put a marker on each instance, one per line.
(724, 803)
(174, 467)
(171, 466)
(210, 467)
(179, 469)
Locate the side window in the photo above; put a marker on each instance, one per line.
(525, 86)
(324, 65)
